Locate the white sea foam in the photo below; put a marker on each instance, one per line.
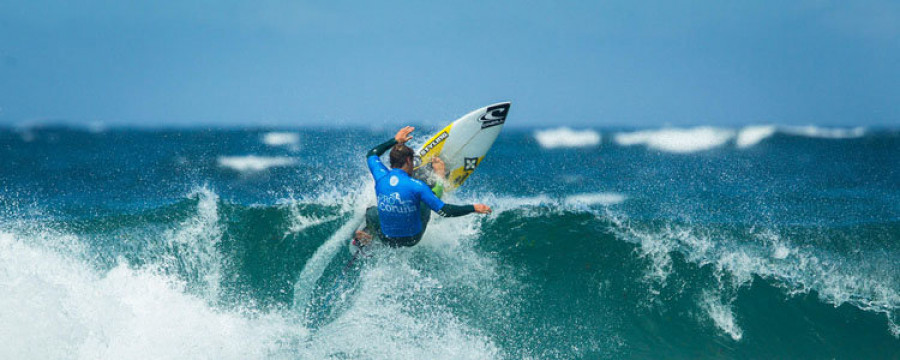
(56, 305)
(389, 297)
(721, 315)
(394, 294)
(506, 203)
(752, 135)
(192, 246)
(253, 163)
(285, 139)
(299, 222)
(589, 199)
(566, 138)
(689, 140)
(676, 140)
(315, 266)
(825, 133)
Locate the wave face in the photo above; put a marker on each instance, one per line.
(140, 245)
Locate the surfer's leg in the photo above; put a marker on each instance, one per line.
(373, 223)
(370, 227)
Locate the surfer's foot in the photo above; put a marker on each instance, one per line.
(361, 238)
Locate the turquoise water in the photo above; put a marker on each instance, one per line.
(758, 242)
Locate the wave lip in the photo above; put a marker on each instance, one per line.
(253, 163)
(677, 140)
(565, 137)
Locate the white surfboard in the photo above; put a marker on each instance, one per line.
(464, 143)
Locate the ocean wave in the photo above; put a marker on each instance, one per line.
(675, 140)
(752, 135)
(391, 295)
(542, 205)
(721, 314)
(392, 291)
(253, 163)
(691, 140)
(736, 263)
(565, 137)
(595, 199)
(283, 139)
(190, 247)
(825, 133)
(476, 287)
(57, 304)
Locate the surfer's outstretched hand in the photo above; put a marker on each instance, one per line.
(482, 209)
(403, 135)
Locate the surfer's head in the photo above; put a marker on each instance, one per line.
(401, 155)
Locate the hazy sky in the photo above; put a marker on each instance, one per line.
(585, 63)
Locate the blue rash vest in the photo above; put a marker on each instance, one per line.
(399, 198)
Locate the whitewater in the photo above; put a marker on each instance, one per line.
(765, 241)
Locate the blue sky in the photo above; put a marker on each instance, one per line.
(603, 63)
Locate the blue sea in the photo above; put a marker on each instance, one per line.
(758, 242)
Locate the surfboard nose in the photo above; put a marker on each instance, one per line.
(494, 115)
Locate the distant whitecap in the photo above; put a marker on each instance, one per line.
(675, 140)
(252, 163)
(752, 135)
(566, 138)
(286, 139)
(826, 133)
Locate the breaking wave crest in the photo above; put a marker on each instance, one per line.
(538, 278)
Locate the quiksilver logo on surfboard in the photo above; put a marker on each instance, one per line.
(495, 115)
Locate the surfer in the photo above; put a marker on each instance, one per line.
(400, 219)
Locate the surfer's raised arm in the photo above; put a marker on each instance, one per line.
(401, 137)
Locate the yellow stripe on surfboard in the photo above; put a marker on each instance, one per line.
(433, 146)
